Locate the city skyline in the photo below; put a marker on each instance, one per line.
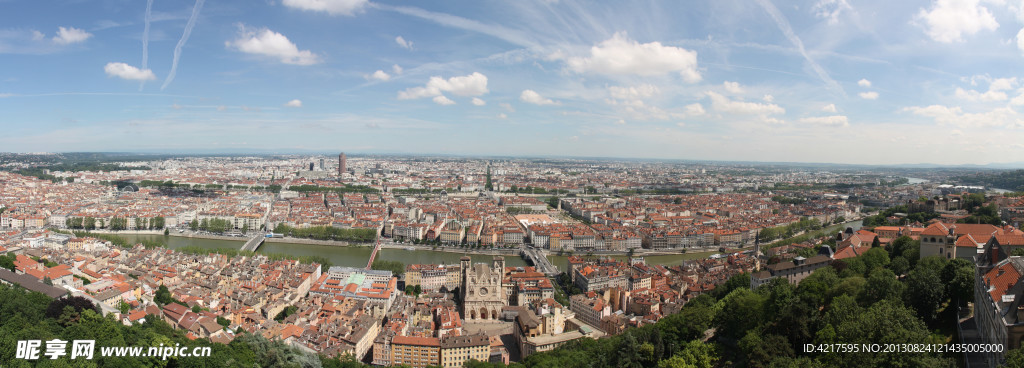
(815, 81)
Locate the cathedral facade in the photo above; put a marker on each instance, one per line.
(481, 289)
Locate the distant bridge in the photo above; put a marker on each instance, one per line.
(376, 248)
(537, 258)
(254, 243)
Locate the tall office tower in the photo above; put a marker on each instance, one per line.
(321, 164)
(310, 166)
(341, 164)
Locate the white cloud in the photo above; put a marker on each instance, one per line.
(269, 43)
(529, 96)
(868, 95)
(972, 95)
(831, 9)
(507, 106)
(332, 7)
(222, 108)
(402, 42)
(70, 35)
(621, 122)
(478, 102)
(502, 116)
(733, 87)
(1020, 40)
(397, 69)
(949, 20)
(768, 98)
(293, 103)
(379, 75)
(441, 100)
(954, 116)
(724, 104)
(834, 120)
(37, 36)
(470, 85)
(864, 83)
(633, 93)
(621, 56)
(695, 109)
(829, 108)
(1019, 100)
(125, 71)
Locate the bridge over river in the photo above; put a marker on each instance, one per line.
(537, 258)
(254, 243)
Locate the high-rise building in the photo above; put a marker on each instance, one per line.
(341, 164)
(321, 164)
(310, 166)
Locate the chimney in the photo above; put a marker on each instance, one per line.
(1020, 314)
(995, 253)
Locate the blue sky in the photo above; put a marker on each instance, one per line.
(809, 81)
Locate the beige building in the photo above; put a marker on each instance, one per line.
(416, 352)
(457, 350)
(482, 293)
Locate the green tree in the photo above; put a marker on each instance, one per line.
(123, 307)
(759, 351)
(694, 354)
(163, 295)
(7, 261)
(1015, 358)
(629, 352)
(958, 276)
(885, 322)
(488, 185)
(881, 284)
(899, 265)
(925, 292)
(739, 281)
(741, 311)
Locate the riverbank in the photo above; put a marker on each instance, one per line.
(454, 250)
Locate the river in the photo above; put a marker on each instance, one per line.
(356, 256)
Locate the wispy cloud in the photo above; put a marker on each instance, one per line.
(509, 35)
(332, 7)
(145, 38)
(787, 30)
(402, 42)
(181, 43)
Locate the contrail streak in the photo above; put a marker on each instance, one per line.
(145, 38)
(787, 30)
(184, 37)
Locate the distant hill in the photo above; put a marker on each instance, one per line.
(1009, 180)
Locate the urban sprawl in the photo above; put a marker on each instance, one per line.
(609, 219)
